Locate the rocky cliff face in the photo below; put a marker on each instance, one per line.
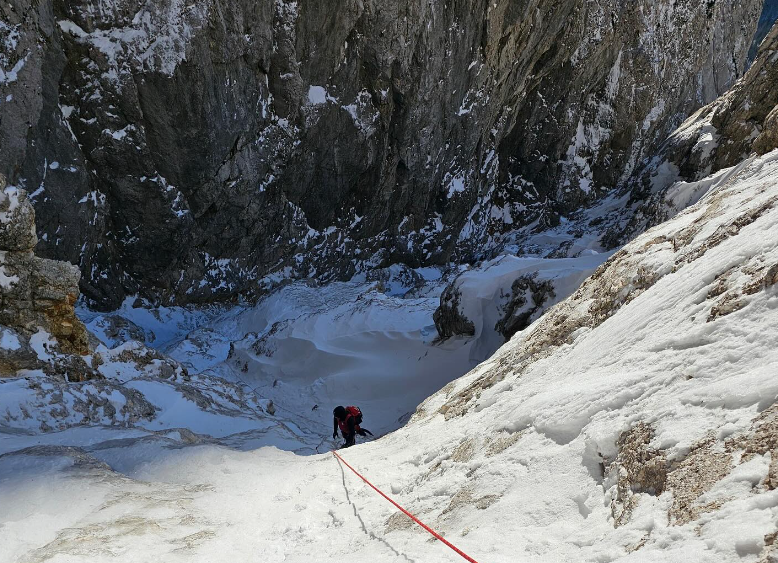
(185, 150)
(716, 138)
(766, 20)
(36, 295)
(708, 148)
(39, 331)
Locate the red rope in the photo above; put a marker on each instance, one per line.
(408, 514)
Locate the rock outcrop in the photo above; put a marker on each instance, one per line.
(37, 295)
(525, 304)
(719, 136)
(166, 144)
(638, 468)
(449, 319)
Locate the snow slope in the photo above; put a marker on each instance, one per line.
(636, 421)
(305, 347)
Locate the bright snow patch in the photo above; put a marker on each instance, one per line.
(456, 185)
(8, 340)
(317, 95)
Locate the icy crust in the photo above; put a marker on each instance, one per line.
(534, 269)
(257, 375)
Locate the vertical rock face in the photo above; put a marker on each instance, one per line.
(35, 294)
(766, 20)
(718, 136)
(183, 150)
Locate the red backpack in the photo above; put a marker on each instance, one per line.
(356, 413)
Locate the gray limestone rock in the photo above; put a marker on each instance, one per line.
(35, 293)
(742, 122)
(15, 352)
(448, 317)
(17, 220)
(525, 304)
(185, 151)
(766, 20)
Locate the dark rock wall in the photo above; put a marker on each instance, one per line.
(184, 150)
(742, 122)
(766, 20)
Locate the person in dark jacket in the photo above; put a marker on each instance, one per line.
(348, 419)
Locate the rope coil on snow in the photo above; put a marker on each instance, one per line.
(408, 514)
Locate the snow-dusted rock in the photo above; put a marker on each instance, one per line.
(715, 139)
(503, 296)
(184, 149)
(35, 294)
(17, 220)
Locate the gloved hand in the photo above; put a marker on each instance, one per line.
(335, 435)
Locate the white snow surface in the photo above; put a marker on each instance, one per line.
(305, 346)
(317, 95)
(9, 340)
(514, 461)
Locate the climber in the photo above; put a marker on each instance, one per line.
(348, 420)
